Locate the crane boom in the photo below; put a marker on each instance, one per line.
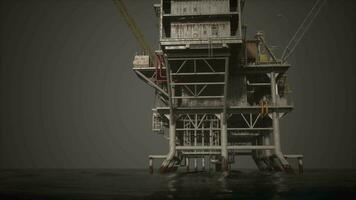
(302, 29)
(135, 30)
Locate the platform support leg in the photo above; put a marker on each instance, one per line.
(224, 152)
(187, 163)
(300, 165)
(203, 163)
(168, 163)
(283, 163)
(150, 164)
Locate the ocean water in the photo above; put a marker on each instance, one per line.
(139, 184)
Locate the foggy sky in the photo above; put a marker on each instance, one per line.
(69, 98)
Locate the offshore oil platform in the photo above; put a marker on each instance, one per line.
(218, 94)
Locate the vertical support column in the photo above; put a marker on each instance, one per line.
(258, 48)
(240, 17)
(203, 163)
(172, 136)
(275, 123)
(211, 133)
(187, 163)
(150, 164)
(223, 121)
(161, 20)
(266, 140)
(195, 140)
(300, 165)
(223, 135)
(174, 101)
(167, 163)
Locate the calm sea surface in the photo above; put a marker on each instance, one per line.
(139, 184)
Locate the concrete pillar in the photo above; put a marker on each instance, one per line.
(203, 163)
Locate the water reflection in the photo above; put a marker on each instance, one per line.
(172, 188)
(232, 185)
(138, 184)
(279, 181)
(224, 187)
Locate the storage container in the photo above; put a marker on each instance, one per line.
(141, 61)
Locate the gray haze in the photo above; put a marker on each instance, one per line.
(69, 98)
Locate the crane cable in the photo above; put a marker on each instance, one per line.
(135, 30)
(302, 29)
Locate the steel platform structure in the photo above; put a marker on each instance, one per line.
(218, 95)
